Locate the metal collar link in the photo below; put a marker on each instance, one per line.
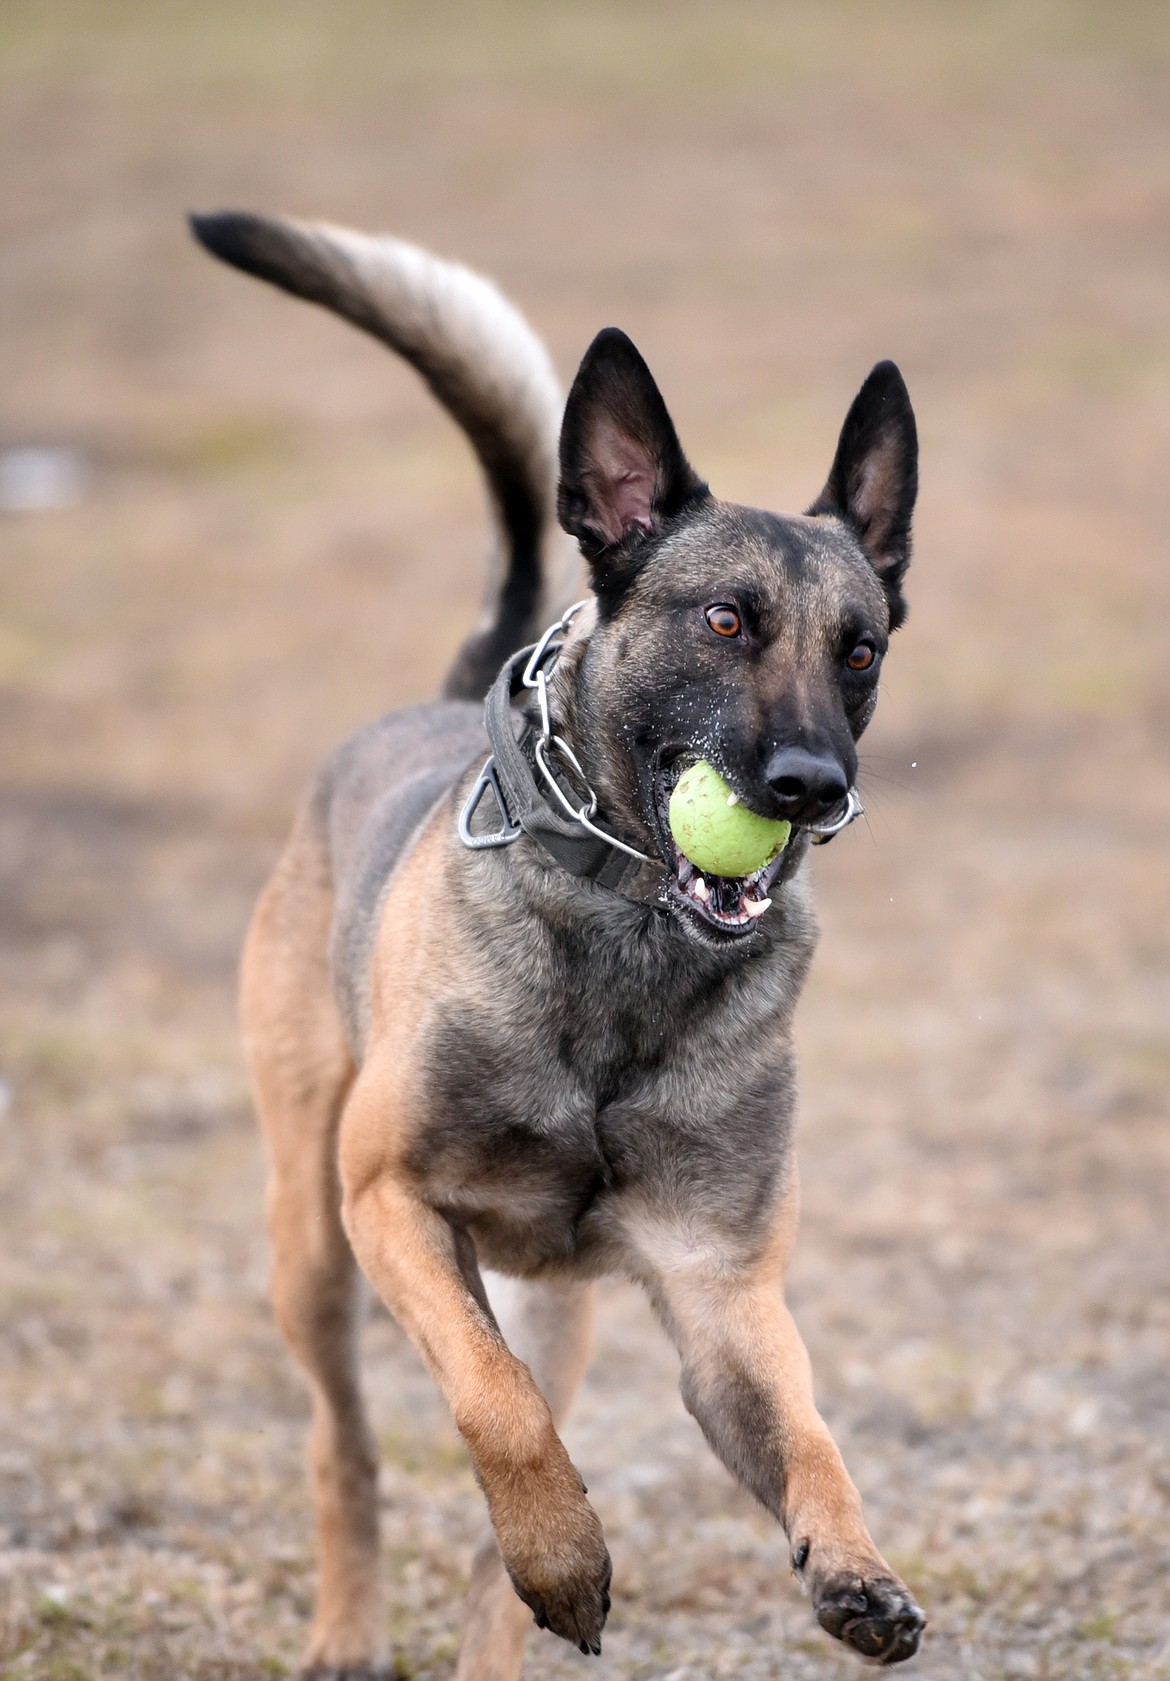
(543, 657)
(546, 746)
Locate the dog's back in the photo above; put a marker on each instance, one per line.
(369, 799)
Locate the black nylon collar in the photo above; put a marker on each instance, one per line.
(567, 843)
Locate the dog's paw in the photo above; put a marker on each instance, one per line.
(569, 1593)
(875, 1616)
(348, 1647)
(576, 1612)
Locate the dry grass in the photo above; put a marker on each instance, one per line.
(281, 539)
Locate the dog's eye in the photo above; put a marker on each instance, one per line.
(724, 620)
(862, 657)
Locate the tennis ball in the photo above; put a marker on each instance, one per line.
(715, 832)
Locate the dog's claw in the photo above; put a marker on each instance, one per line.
(576, 1616)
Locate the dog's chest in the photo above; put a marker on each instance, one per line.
(546, 1133)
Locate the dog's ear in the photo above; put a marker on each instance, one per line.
(623, 472)
(874, 478)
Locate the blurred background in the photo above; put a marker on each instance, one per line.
(232, 530)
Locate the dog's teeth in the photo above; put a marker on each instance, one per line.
(756, 907)
(733, 799)
(700, 889)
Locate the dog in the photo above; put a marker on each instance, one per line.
(495, 1020)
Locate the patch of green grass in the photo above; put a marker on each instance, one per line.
(1099, 364)
(446, 1649)
(55, 1665)
(1100, 1627)
(440, 1456)
(54, 1612)
(958, 1580)
(294, 50)
(229, 443)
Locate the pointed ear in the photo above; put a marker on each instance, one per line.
(874, 478)
(623, 472)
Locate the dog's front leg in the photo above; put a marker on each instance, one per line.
(548, 1324)
(425, 1270)
(747, 1380)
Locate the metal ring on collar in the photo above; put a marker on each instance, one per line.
(566, 752)
(509, 832)
(544, 650)
(535, 677)
(583, 815)
(853, 808)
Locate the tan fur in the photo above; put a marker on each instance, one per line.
(734, 1318)
(335, 1142)
(301, 1071)
(548, 1534)
(549, 1325)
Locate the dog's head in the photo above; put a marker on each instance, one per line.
(749, 639)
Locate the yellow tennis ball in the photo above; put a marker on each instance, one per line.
(717, 834)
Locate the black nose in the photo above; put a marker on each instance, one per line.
(805, 785)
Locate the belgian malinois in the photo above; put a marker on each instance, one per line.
(496, 1020)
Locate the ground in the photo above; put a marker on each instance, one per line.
(278, 538)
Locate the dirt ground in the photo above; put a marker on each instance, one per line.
(279, 538)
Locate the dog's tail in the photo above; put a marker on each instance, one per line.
(482, 361)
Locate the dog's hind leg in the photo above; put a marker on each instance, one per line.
(549, 1325)
(301, 1072)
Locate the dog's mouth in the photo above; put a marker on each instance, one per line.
(731, 906)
